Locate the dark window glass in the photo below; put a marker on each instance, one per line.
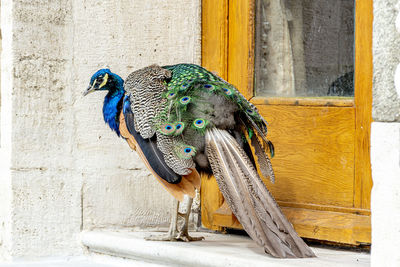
(304, 48)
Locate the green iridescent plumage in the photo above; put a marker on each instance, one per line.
(192, 101)
(188, 85)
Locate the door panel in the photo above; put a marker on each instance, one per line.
(323, 178)
(314, 160)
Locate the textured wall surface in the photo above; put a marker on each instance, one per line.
(44, 191)
(385, 198)
(5, 148)
(386, 46)
(126, 35)
(385, 135)
(62, 169)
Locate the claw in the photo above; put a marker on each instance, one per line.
(175, 234)
(179, 236)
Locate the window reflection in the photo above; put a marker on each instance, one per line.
(304, 48)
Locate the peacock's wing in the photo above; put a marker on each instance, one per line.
(153, 158)
(197, 100)
(148, 147)
(146, 90)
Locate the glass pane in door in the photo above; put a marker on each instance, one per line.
(304, 48)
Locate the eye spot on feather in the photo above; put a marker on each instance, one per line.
(186, 152)
(167, 129)
(237, 99)
(209, 87)
(184, 87)
(227, 91)
(200, 123)
(179, 127)
(250, 111)
(185, 100)
(171, 95)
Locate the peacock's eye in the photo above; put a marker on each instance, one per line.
(188, 150)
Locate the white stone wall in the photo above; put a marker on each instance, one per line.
(385, 198)
(385, 135)
(42, 188)
(62, 169)
(5, 177)
(126, 35)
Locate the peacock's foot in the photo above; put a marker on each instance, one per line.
(178, 236)
(187, 238)
(177, 231)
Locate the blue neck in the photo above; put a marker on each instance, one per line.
(113, 104)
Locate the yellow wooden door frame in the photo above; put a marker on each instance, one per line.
(228, 49)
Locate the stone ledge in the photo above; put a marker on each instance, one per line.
(215, 250)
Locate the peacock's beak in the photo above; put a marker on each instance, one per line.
(89, 90)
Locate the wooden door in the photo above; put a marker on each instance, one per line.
(322, 164)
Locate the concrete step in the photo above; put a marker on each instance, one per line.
(77, 261)
(215, 250)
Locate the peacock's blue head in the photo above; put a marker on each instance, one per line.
(104, 79)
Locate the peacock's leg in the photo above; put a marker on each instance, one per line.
(183, 233)
(174, 221)
(172, 232)
(175, 234)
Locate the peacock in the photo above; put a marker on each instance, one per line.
(183, 120)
